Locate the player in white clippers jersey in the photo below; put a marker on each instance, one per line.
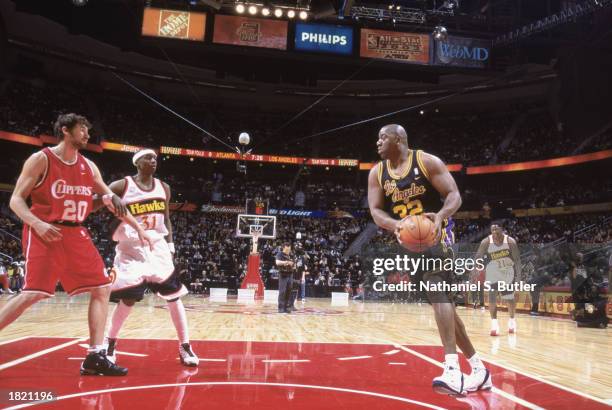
(136, 268)
(503, 266)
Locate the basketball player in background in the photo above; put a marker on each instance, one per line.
(60, 183)
(138, 268)
(408, 182)
(4, 280)
(504, 265)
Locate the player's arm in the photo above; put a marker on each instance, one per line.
(445, 184)
(116, 186)
(33, 170)
(515, 254)
(116, 206)
(167, 221)
(376, 202)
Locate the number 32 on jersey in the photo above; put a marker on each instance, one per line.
(413, 207)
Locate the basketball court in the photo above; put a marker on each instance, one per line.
(364, 355)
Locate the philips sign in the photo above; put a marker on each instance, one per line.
(323, 38)
(460, 51)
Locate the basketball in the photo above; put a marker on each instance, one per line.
(417, 233)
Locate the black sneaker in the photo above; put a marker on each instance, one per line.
(97, 364)
(110, 350)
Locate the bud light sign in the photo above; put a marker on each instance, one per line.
(324, 38)
(462, 51)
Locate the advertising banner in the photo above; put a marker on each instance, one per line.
(279, 159)
(113, 146)
(396, 46)
(462, 52)
(324, 38)
(250, 32)
(223, 209)
(179, 24)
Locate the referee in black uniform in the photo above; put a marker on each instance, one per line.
(286, 266)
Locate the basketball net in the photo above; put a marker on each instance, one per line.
(256, 232)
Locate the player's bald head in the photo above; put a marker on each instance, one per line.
(397, 131)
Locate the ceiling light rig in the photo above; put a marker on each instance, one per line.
(396, 13)
(269, 10)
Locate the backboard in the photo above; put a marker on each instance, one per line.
(262, 226)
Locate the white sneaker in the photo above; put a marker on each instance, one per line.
(511, 326)
(188, 358)
(451, 381)
(494, 331)
(480, 379)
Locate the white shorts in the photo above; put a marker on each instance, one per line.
(137, 265)
(494, 275)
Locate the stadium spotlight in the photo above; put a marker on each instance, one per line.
(440, 33)
(303, 15)
(422, 112)
(240, 8)
(265, 11)
(390, 6)
(291, 14)
(278, 13)
(252, 10)
(398, 8)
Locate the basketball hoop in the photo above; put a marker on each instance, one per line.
(256, 227)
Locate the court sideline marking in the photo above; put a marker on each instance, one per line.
(39, 354)
(14, 340)
(305, 386)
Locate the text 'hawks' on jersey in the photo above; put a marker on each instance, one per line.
(147, 206)
(412, 193)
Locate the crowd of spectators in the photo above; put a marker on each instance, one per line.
(533, 140)
(209, 252)
(31, 106)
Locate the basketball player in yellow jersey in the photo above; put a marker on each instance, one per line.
(503, 266)
(409, 182)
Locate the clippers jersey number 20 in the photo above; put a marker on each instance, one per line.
(74, 211)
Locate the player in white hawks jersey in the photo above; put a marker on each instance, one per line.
(137, 268)
(503, 266)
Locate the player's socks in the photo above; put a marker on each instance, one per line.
(120, 314)
(512, 325)
(494, 327)
(95, 348)
(451, 381)
(179, 318)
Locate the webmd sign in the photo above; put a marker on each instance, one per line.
(462, 51)
(323, 38)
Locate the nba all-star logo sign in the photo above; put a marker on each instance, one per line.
(249, 31)
(60, 189)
